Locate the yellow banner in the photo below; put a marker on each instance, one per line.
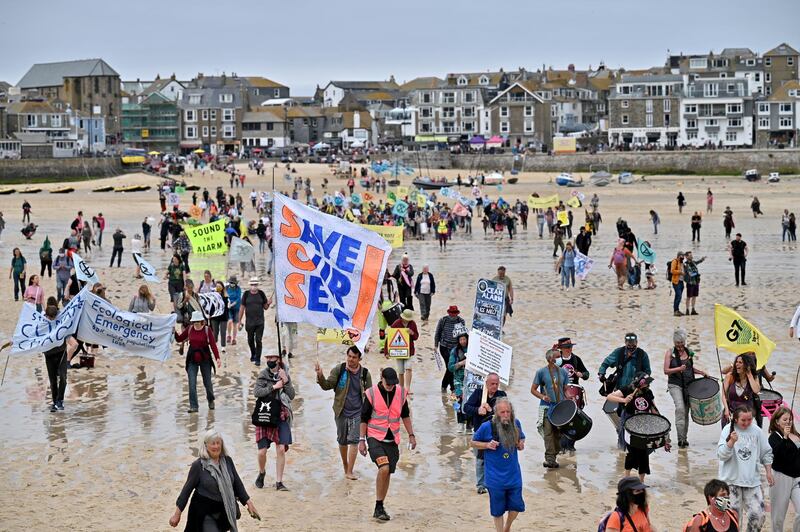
(402, 192)
(738, 335)
(338, 336)
(574, 202)
(421, 201)
(398, 343)
(393, 234)
(208, 239)
(563, 218)
(543, 203)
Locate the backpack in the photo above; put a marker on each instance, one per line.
(704, 515)
(668, 273)
(364, 372)
(601, 527)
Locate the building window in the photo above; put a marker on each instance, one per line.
(205, 131)
(757, 76)
(426, 97)
(468, 112)
(504, 112)
(270, 126)
(213, 131)
(425, 112)
(789, 61)
(625, 104)
(194, 99)
(276, 93)
(228, 131)
(468, 126)
(484, 80)
(734, 122)
(448, 97)
(731, 136)
(191, 115)
(763, 122)
(698, 62)
(768, 77)
(769, 91)
(666, 120)
(504, 127)
(667, 105)
(462, 80)
(785, 122)
(710, 90)
(690, 135)
(469, 96)
(31, 120)
(425, 127)
(625, 119)
(648, 106)
(528, 127)
(767, 61)
(648, 120)
(690, 109)
(191, 132)
(691, 124)
(785, 108)
(448, 127)
(213, 114)
(763, 108)
(711, 122)
(226, 97)
(750, 62)
(528, 110)
(204, 115)
(228, 115)
(55, 121)
(734, 108)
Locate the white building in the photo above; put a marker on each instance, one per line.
(717, 111)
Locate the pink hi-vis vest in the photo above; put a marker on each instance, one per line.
(385, 417)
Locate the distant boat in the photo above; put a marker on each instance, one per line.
(493, 179)
(107, 188)
(6, 191)
(30, 190)
(193, 187)
(62, 190)
(625, 178)
(774, 177)
(752, 175)
(600, 179)
(512, 180)
(426, 183)
(567, 180)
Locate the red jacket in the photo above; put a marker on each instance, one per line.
(199, 339)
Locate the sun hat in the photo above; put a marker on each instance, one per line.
(254, 281)
(407, 314)
(453, 309)
(197, 316)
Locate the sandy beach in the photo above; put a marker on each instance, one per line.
(117, 457)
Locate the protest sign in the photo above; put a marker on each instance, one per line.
(487, 317)
(400, 208)
(488, 355)
(543, 203)
(422, 200)
(212, 303)
(145, 335)
(338, 336)
(563, 218)
(398, 343)
(207, 238)
(583, 265)
(327, 270)
(392, 233)
(195, 211)
(35, 333)
(180, 190)
(460, 210)
(240, 251)
(574, 202)
(173, 199)
(83, 271)
(646, 252)
(402, 192)
(146, 269)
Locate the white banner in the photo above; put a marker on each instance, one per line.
(83, 271)
(327, 270)
(145, 335)
(212, 303)
(488, 355)
(35, 333)
(583, 265)
(148, 271)
(240, 250)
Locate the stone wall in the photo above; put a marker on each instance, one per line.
(713, 162)
(57, 169)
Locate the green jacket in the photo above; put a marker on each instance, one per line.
(339, 382)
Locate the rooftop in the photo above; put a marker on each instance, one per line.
(53, 74)
(782, 49)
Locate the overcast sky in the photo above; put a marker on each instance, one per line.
(305, 43)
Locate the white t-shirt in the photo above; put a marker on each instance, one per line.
(425, 283)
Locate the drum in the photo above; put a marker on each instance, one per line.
(575, 392)
(647, 431)
(705, 403)
(611, 411)
(770, 401)
(570, 420)
(392, 314)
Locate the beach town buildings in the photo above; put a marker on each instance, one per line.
(335, 91)
(716, 111)
(520, 114)
(776, 117)
(87, 86)
(645, 109)
(780, 66)
(152, 122)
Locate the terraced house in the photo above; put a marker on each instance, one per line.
(780, 66)
(212, 108)
(717, 111)
(645, 110)
(522, 115)
(777, 117)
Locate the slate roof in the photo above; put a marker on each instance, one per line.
(53, 74)
(782, 49)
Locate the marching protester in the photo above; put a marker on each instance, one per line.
(444, 341)
(207, 284)
(386, 405)
(219, 323)
(785, 443)
(55, 359)
(676, 271)
(214, 485)
(566, 265)
(274, 387)
(349, 380)
(254, 303)
(737, 252)
(740, 387)
(697, 220)
(741, 447)
(404, 273)
(500, 439)
(405, 321)
(198, 357)
(636, 398)
(548, 387)
(631, 513)
(456, 366)
(424, 289)
(388, 298)
(46, 258)
(175, 279)
(583, 241)
(692, 279)
(34, 294)
(480, 411)
(501, 277)
(17, 272)
(680, 371)
(576, 370)
(143, 301)
(234, 306)
(794, 324)
(718, 515)
(628, 360)
(117, 249)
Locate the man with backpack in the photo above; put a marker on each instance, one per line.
(349, 380)
(254, 303)
(628, 360)
(675, 276)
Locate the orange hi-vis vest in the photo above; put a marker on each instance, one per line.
(385, 417)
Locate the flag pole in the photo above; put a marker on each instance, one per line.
(794, 393)
(716, 347)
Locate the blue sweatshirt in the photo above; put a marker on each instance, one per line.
(738, 466)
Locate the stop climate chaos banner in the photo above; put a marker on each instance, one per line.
(327, 270)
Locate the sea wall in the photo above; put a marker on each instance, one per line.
(58, 169)
(712, 162)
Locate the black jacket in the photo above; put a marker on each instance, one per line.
(474, 403)
(785, 455)
(419, 282)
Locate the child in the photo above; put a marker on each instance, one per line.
(650, 274)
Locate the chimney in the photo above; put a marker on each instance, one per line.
(158, 77)
(172, 77)
(391, 78)
(571, 67)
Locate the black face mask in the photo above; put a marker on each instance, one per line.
(272, 364)
(639, 499)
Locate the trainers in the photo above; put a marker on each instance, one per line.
(380, 514)
(53, 408)
(694, 312)
(678, 313)
(280, 487)
(211, 405)
(192, 411)
(481, 490)
(260, 480)
(60, 405)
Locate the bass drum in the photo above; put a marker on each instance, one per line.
(576, 393)
(569, 419)
(610, 410)
(705, 403)
(392, 314)
(647, 431)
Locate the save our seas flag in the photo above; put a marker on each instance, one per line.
(327, 270)
(738, 335)
(208, 239)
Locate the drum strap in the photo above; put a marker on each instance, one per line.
(556, 383)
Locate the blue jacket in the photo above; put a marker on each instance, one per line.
(474, 403)
(638, 362)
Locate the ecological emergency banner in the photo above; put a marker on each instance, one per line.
(212, 303)
(207, 238)
(241, 251)
(393, 234)
(145, 335)
(327, 270)
(35, 334)
(543, 203)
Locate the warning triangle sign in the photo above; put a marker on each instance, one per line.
(398, 341)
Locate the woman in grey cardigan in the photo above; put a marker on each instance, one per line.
(143, 302)
(274, 382)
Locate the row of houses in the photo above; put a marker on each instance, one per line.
(736, 98)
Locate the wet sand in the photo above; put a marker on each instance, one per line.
(117, 457)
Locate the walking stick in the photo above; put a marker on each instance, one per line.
(794, 393)
(8, 357)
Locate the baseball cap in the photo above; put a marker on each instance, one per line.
(390, 376)
(630, 483)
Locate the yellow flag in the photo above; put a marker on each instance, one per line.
(574, 202)
(738, 335)
(563, 217)
(543, 203)
(393, 234)
(402, 192)
(421, 201)
(337, 336)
